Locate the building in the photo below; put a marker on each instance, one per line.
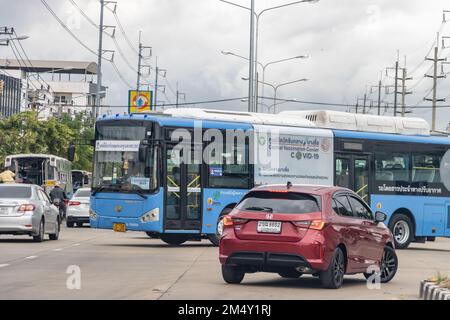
(56, 87)
(10, 95)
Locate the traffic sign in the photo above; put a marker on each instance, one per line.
(140, 104)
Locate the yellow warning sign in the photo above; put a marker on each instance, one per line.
(141, 103)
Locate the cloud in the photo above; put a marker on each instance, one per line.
(350, 42)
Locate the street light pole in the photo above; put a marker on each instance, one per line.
(275, 89)
(254, 40)
(282, 85)
(265, 66)
(252, 58)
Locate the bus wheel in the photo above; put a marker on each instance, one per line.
(402, 228)
(173, 239)
(215, 238)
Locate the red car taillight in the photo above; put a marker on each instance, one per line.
(314, 224)
(74, 203)
(229, 221)
(26, 208)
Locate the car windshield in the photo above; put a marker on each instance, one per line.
(117, 165)
(82, 194)
(15, 192)
(278, 202)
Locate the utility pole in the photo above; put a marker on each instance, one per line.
(157, 86)
(404, 92)
(435, 78)
(141, 66)
(179, 94)
(99, 64)
(379, 98)
(365, 101)
(97, 107)
(396, 88)
(138, 83)
(378, 88)
(395, 84)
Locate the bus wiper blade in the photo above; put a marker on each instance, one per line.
(102, 188)
(263, 209)
(140, 193)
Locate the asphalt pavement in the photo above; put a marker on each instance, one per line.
(100, 264)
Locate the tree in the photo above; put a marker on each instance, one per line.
(25, 133)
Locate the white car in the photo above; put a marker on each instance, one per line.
(78, 208)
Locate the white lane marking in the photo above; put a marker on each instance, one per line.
(31, 257)
(56, 250)
(76, 244)
(4, 265)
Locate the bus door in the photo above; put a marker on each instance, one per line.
(352, 171)
(183, 191)
(44, 173)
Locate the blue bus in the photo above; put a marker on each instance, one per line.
(140, 183)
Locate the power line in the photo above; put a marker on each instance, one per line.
(19, 58)
(413, 71)
(331, 104)
(122, 30)
(29, 61)
(194, 102)
(120, 75)
(82, 43)
(112, 36)
(67, 28)
(119, 50)
(92, 22)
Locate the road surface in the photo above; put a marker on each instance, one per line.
(132, 266)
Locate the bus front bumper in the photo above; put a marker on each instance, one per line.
(131, 224)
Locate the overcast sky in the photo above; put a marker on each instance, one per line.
(350, 42)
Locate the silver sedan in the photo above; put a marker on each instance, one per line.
(27, 210)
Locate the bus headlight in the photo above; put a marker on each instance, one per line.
(92, 214)
(152, 215)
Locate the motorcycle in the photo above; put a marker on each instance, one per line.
(62, 208)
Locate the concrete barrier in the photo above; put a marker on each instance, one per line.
(430, 291)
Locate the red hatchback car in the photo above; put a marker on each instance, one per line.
(292, 230)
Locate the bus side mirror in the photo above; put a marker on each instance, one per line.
(380, 216)
(71, 153)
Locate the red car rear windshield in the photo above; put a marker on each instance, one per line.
(278, 202)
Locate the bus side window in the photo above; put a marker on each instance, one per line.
(234, 169)
(392, 166)
(426, 168)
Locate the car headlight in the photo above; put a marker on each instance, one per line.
(152, 215)
(92, 214)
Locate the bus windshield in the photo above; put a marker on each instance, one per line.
(117, 165)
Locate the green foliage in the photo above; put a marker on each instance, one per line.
(25, 133)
